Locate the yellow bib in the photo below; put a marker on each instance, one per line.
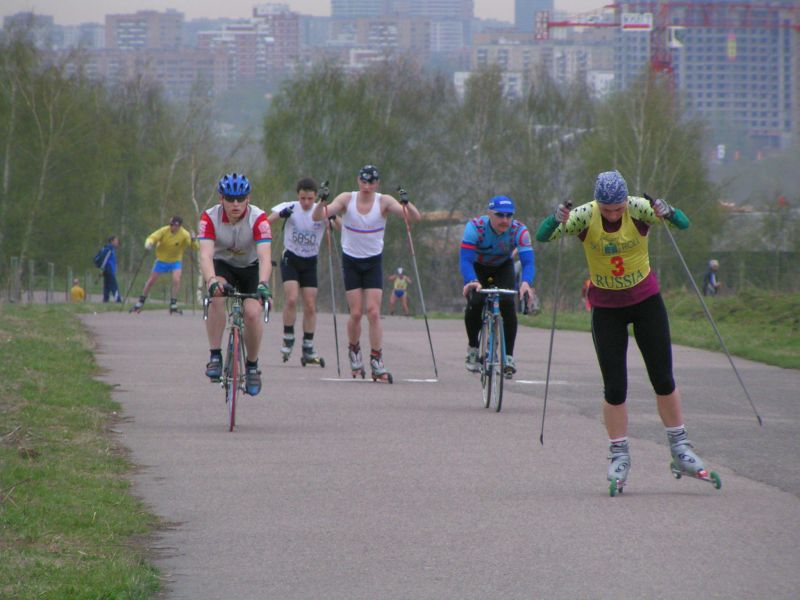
(618, 260)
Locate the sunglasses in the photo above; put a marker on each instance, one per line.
(504, 215)
(236, 199)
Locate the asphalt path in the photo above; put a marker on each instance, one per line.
(339, 488)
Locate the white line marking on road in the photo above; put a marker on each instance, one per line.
(369, 380)
(540, 382)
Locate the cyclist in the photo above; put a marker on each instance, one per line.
(235, 251)
(302, 237)
(613, 229)
(400, 283)
(364, 215)
(170, 241)
(486, 252)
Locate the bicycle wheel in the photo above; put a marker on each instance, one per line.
(497, 364)
(483, 359)
(232, 374)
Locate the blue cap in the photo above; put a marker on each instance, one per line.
(369, 174)
(501, 204)
(610, 188)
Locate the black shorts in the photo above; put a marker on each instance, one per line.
(362, 273)
(299, 268)
(244, 279)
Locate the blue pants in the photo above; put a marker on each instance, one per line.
(110, 287)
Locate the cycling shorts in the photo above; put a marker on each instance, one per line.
(244, 279)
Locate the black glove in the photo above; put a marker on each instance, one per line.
(286, 212)
(264, 292)
(403, 195)
(323, 194)
(227, 288)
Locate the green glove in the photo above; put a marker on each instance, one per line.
(264, 292)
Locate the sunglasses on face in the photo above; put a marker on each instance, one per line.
(236, 199)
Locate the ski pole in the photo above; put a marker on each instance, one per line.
(553, 324)
(323, 196)
(707, 313)
(404, 201)
(135, 275)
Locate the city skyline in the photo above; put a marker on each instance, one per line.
(83, 11)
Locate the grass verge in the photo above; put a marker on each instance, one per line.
(68, 523)
(759, 326)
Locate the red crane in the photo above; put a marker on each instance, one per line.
(665, 19)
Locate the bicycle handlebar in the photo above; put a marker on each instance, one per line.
(267, 304)
(499, 291)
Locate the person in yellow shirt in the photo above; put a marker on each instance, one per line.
(400, 283)
(76, 292)
(170, 243)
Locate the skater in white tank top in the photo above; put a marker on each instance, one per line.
(364, 215)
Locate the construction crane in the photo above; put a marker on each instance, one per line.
(666, 20)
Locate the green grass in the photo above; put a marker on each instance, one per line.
(759, 326)
(69, 525)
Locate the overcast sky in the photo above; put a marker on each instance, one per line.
(71, 12)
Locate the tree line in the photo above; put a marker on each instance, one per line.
(82, 159)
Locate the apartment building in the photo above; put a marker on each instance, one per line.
(144, 30)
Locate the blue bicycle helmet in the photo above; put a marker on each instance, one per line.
(234, 185)
(610, 188)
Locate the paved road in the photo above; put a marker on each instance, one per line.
(348, 489)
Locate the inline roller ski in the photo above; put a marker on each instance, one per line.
(288, 344)
(137, 308)
(174, 310)
(310, 357)
(686, 462)
(619, 454)
(356, 361)
(379, 372)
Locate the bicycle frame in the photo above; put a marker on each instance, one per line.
(492, 348)
(233, 367)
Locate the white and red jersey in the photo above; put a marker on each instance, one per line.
(362, 235)
(235, 243)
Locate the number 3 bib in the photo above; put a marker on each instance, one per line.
(616, 260)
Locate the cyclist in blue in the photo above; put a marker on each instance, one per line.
(486, 252)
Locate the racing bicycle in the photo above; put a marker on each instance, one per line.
(492, 352)
(233, 371)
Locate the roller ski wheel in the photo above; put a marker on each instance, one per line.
(175, 311)
(711, 477)
(361, 372)
(286, 348)
(134, 310)
(616, 487)
(317, 360)
(383, 377)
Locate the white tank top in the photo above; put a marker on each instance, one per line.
(362, 235)
(302, 235)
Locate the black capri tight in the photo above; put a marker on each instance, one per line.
(651, 331)
(503, 277)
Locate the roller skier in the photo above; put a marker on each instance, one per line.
(613, 229)
(302, 237)
(364, 214)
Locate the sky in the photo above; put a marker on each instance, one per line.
(72, 12)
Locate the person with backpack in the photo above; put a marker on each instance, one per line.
(106, 261)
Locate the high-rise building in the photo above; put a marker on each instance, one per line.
(735, 65)
(145, 30)
(360, 9)
(525, 13)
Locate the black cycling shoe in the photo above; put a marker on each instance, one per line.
(252, 378)
(214, 368)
